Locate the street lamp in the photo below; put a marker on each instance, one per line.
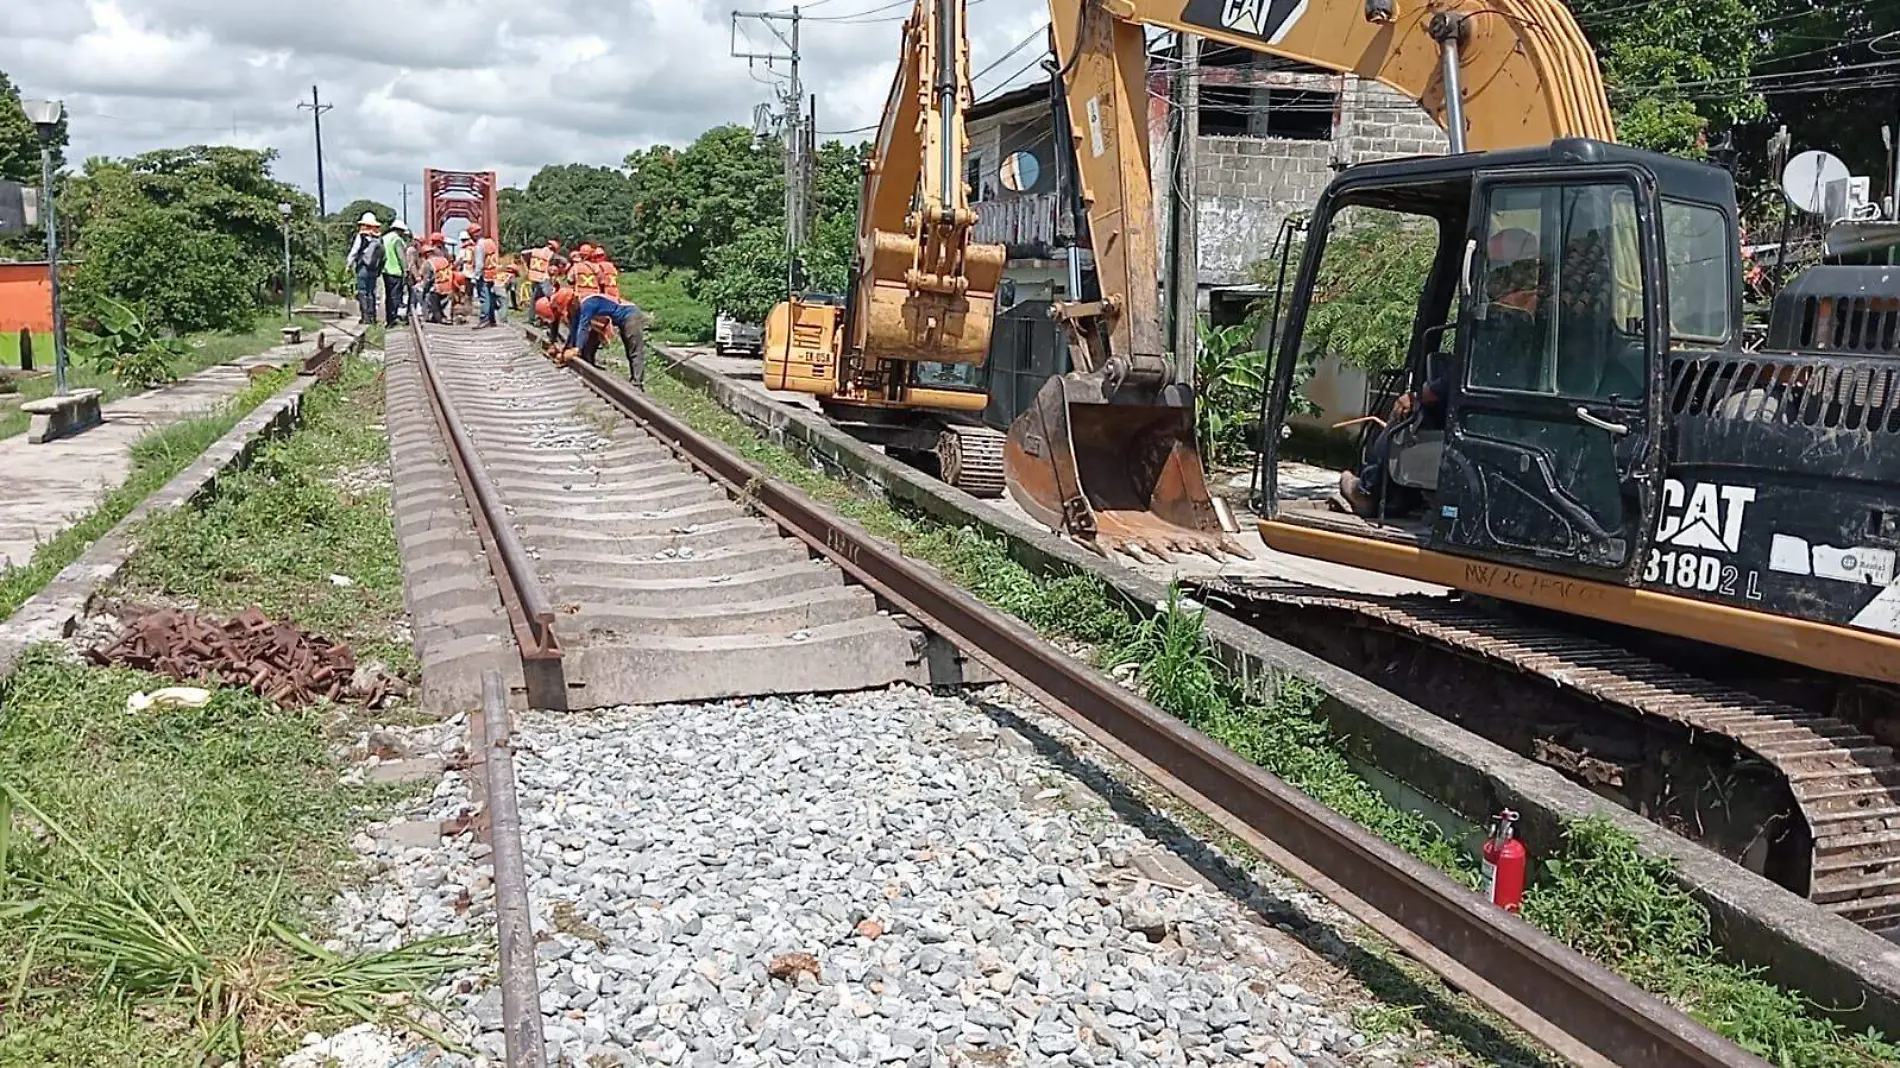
(44, 115)
(284, 210)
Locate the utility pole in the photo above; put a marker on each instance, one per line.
(794, 128)
(405, 201)
(317, 108)
(1184, 272)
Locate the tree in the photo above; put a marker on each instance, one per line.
(20, 141)
(1677, 70)
(192, 237)
(1831, 79)
(687, 203)
(575, 203)
(338, 226)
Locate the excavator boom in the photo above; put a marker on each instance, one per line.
(1107, 452)
(922, 289)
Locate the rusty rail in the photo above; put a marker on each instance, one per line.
(1580, 1009)
(522, 596)
(520, 989)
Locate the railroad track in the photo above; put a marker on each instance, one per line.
(628, 576)
(508, 426)
(1844, 785)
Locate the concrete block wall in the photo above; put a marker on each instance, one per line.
(1377, 123)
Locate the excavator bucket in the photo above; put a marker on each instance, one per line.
(1115, 468)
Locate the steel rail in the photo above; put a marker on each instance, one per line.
(1580, 1009)
(522, 1038)
(526, 602)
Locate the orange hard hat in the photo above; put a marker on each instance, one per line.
(544, 309)
(584, 251)
(437, 239)
(474, 228)
(599, 254)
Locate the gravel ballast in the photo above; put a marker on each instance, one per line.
(876, 878)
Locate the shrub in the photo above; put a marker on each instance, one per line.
(176, 277)
(126, 350)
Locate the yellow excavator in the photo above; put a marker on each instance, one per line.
(898, 362)
(1107, 452)
(1698, 543)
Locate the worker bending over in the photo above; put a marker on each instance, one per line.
(594, 316)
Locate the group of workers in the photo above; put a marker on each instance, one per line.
(428, 276)
(578, 299)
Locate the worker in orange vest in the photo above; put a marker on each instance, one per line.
(482, 274)
(608, 273)
(543, 264)
(439, 277)
(584, 274)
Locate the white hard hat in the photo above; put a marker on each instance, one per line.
(399, 225)
(368, 219)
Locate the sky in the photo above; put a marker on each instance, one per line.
(456, 84)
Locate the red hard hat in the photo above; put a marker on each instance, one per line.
(437, 239)
(544, 309)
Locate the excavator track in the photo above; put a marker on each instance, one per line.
(1845, 784)
(971, 458)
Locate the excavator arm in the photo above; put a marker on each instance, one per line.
(922, 289)
(1107, 452)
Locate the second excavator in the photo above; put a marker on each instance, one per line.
(899, 360)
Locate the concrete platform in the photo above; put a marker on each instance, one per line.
(45, 487)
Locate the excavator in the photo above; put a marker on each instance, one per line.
(898, 362)
(1660, 529)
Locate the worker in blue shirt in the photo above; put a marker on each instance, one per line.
(588, 325)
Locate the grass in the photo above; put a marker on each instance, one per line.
(205, 350)
(1599, 895)
(155, 459)
(163, 864)
(677, 316)
(150, 895)
(309, 507)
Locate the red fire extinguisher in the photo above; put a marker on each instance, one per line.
(1504, 862)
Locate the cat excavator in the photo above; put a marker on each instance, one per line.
(898, 361)
(1695, 548)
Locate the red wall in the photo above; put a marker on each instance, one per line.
(26, 299)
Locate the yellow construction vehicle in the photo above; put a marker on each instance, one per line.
(1581, 433)
(1107, 452)
(898, 361)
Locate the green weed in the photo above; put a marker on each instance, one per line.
(158, 862)
(155, 459)
(309, 507)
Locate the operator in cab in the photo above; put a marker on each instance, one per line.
(1514, 288)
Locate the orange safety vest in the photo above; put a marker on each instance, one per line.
(491, 257)
(444, 274)
(538, 262)
(609, 278)
(585, 276)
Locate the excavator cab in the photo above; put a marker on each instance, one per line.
(1536, 368)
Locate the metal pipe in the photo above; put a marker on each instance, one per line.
(49, 211)
(947, 53)
(1446, 29)
(520, 993)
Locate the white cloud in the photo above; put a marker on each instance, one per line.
(458, 84)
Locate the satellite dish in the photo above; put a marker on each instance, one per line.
(1805, 179)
